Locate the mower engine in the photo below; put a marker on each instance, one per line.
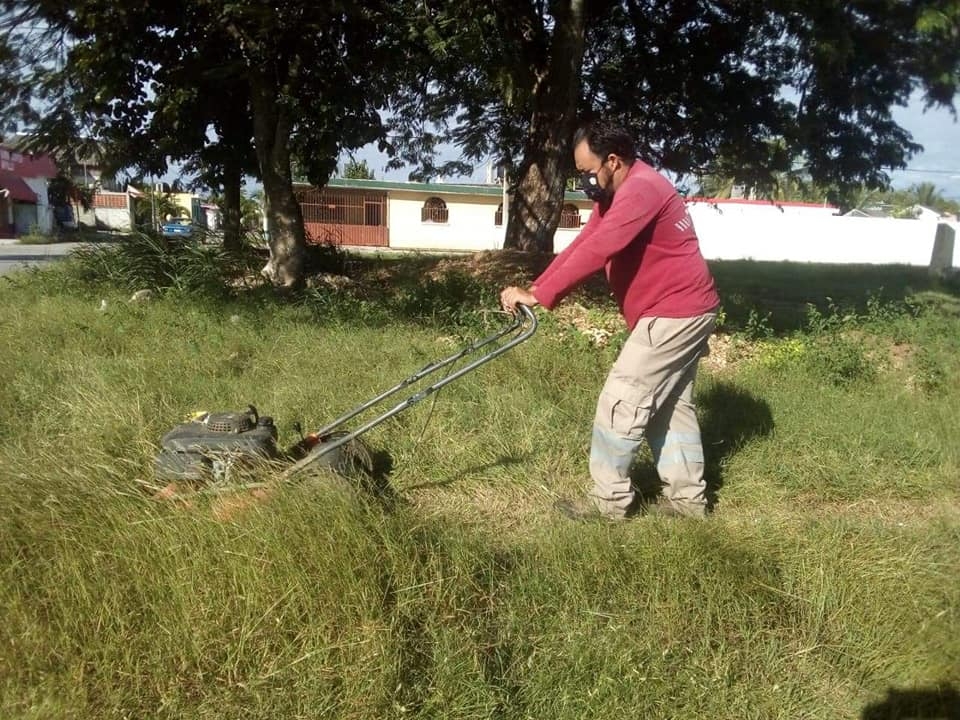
(211, 444)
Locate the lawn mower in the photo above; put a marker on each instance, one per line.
(213, 447)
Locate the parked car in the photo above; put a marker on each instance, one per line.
(177, 227)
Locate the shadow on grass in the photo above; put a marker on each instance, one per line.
(381, 467)
(730, 417)
(502, 461)
(936, 703)
(781, 291)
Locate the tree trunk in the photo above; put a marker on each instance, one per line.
(538, 195)
(534, 213)
(234, 130)
(271, 133)
(232, 184)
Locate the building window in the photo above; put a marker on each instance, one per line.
(434, 210)
(570, 216)
(498, 216)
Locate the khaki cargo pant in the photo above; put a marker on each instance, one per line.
(649, 392)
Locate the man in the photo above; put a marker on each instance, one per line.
(641, 234)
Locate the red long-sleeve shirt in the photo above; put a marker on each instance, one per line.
(646, 242)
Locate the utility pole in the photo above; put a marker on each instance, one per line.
(153, 205)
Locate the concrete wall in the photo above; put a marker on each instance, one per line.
(24, 217)
(812, 237)
(807, 234)
(184, 201)
(44, 211)
(113, 219)
(955, 226)
(728, 230)
(87, 218)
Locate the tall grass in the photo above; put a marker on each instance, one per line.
(823, 586)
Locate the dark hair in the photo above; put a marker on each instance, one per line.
(604, 138)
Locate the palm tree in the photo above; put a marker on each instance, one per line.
(928, 195)
(716, 186)
(153, 207)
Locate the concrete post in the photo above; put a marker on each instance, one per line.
(941, 260)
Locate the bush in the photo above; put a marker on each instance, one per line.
(931, 378)
(150, 261)
(449, 301)
(758, 326)
(36, 237)
(839, 360)
(326, 257)
(778, 355)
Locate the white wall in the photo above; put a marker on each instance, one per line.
(729, 231)
(812, 237)
(113, 218)
(956, 242)
(470, 225)
(762, 208)
(84, 217)
(562, 238)
(44, 211)
(24, 217)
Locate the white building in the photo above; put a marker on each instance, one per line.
(24, 203)
(420, 216)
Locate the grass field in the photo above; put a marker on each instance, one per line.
(824, 585)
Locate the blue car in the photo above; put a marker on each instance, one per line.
(177, 227)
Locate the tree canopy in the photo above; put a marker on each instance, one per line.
(751, 89)
(229, 87)
(357, 170)
(724, 88)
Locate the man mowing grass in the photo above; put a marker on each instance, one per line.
(641, 234)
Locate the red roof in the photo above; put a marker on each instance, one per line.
(13, 186)
(744, 201)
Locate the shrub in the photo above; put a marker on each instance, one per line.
(839, 360)
(326, 257)
(758, 326)
(36, 237)
(783, 354)
(449, 301)
(931, 378)
(148, 260)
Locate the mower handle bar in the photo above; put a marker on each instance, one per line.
(524, 315)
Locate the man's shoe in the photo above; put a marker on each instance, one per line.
(585, 509)
(665, 508)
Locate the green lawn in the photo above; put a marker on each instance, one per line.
(824, 585)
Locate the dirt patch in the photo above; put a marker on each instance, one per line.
(723, 354)
(492, 268)
(499, 268)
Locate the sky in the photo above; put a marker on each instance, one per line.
(936, 130)
(939, 163)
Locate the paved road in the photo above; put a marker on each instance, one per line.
(14, 256)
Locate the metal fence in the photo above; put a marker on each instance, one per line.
(345, 217)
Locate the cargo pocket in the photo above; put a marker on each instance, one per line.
(624, 408)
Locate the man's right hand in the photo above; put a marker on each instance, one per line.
(512, 296)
